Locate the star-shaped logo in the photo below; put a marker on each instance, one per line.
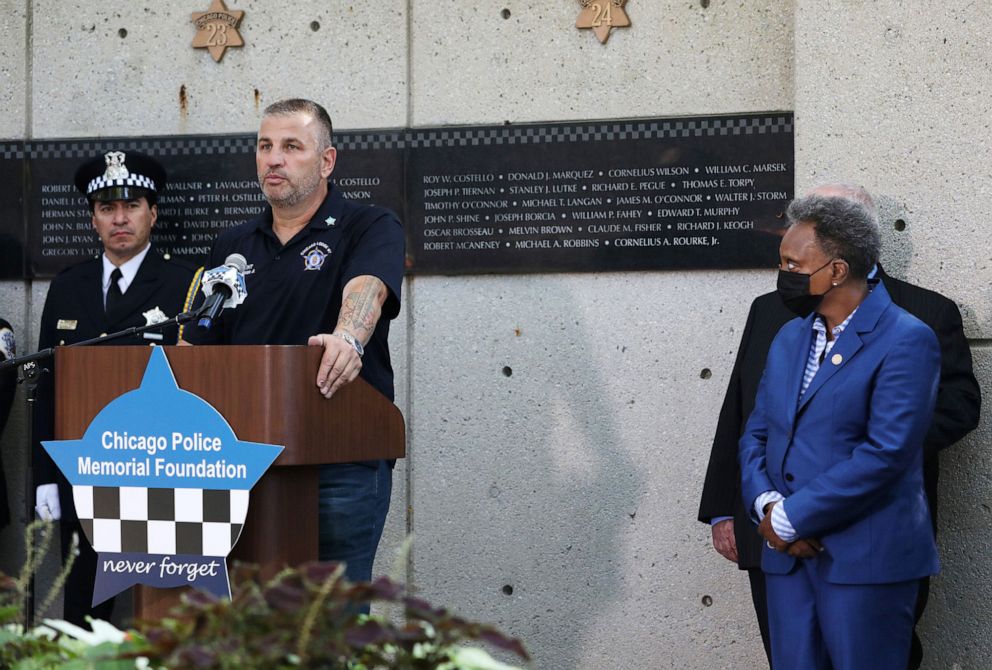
(217, 29)
(602, 16)
(160, 485)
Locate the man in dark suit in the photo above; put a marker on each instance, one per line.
(130, 284)
(956, 414)
(8, 385)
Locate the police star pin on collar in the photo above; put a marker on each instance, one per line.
(217, 29)
(153, 316)
(602, 16)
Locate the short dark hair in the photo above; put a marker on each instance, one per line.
(325, 135)
(844, 229)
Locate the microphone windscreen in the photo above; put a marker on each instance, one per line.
(238, 262)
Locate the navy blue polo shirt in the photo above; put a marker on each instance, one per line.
(295, 290)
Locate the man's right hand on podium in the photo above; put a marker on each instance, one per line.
(46, 502)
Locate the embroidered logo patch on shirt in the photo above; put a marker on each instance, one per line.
(315, 255)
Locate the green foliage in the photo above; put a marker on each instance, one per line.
(306, 617)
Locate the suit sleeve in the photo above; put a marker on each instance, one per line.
(8, 387)
(959, 398)
(751, 452)
(721, 483)
(43, 468)
(901, 403)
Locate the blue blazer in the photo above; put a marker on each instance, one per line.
(848, 455)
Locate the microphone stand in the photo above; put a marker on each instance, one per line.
(30, 376)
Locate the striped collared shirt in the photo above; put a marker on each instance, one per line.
(821, 347)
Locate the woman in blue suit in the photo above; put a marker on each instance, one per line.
(831, 457)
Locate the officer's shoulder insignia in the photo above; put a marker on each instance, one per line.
(66, 324)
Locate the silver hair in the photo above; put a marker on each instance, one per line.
(848, 190)
(845, 228)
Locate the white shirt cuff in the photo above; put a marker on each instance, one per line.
(781, 525)
(761, 501)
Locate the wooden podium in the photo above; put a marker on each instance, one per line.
(267, 394)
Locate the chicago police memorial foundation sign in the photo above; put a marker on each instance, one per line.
(160, 485)
(647, 194)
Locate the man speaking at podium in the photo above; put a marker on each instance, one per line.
(325, 272)
(130, 284)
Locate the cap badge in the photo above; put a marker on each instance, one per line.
(115, 166)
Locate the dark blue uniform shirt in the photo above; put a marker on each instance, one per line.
(295, 290)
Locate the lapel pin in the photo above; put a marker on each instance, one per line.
(836, 359)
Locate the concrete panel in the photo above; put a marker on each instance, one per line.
(472, 65)
(89, 80)
(13, 66)
(561, 430)
(905, 111)
(955, 626)
(391, 559)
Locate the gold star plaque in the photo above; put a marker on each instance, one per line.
(602, 16)
(217, 29)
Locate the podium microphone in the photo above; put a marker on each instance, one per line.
(224, 288)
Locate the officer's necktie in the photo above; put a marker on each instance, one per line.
(114, 295)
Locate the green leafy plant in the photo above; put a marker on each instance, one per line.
(309, 617)
(306, 617)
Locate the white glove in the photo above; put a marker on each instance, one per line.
(46, 502)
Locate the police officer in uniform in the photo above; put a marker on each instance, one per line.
(130, 284)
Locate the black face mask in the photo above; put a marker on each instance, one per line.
(793, 289)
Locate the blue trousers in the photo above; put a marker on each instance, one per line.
(354, 501)
(818, 625)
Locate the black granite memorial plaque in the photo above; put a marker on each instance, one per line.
(12, 229)
(212, 186)
(705, 192)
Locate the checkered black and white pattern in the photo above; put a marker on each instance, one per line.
(202, 522)
(102, 182)
(350, 140)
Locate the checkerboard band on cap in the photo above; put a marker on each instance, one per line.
(139, 180)
(120, 175)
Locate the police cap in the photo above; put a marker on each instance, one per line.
(120, 175)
